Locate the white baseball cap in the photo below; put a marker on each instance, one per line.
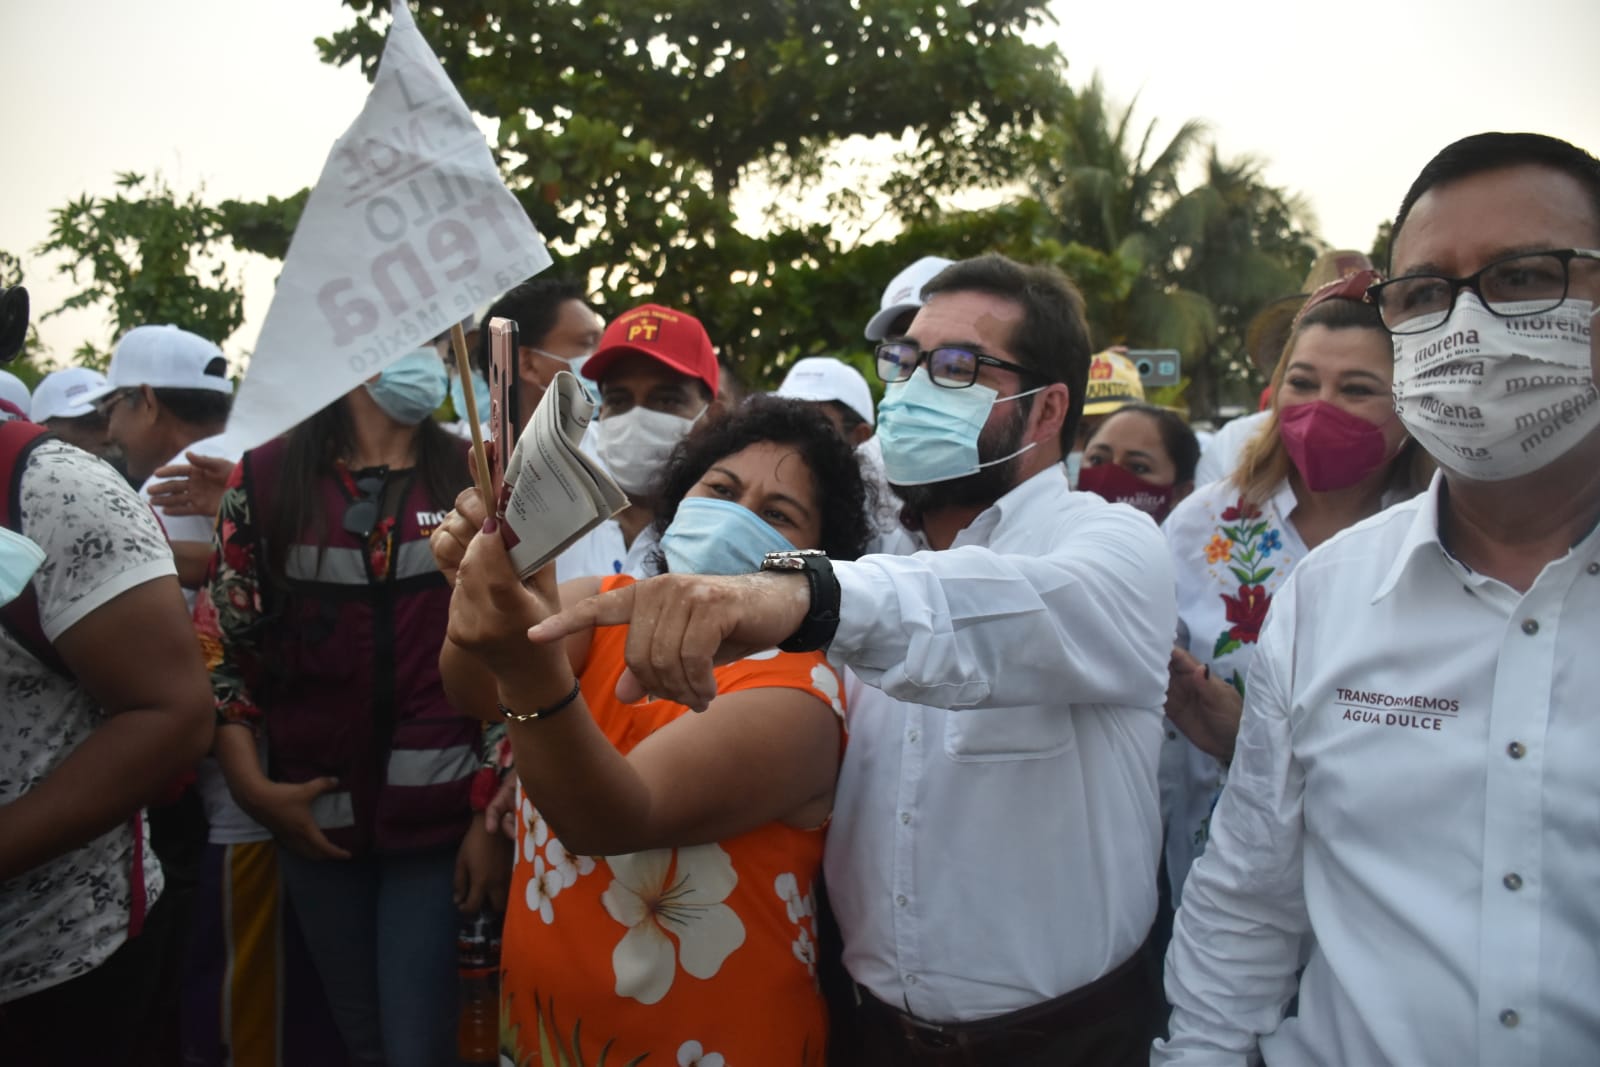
(62, 394)
(14, 390)
(165, 357)
(826, 378)
(904, 294)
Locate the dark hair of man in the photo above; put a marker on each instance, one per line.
(311, 451)
(1053, 336)
(841, 492)
(1495, 151)
(197, 407)
(534, 306)
(1182, 446)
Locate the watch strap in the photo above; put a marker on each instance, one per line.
(822, 619)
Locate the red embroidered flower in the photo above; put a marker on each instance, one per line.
(1247, 611)
(1241, 510)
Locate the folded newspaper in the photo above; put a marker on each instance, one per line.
(553, 492)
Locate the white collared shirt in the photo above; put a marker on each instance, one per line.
(600, 553)
(985, 859)
(1414, 787)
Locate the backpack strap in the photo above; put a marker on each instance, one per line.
(18, 439)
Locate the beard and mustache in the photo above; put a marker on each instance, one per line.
(980, 488)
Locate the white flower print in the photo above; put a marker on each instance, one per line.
(788, 889)
(827, 683)
(691, 1054)
(802, 907)
(690, 905)
(542, 889)
(766, 653)
(570, 867)
(805, 950)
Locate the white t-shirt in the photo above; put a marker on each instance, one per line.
(191, 527)
(64, 918)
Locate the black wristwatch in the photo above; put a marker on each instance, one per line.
(822, 621)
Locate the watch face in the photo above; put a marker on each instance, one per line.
(784, 563)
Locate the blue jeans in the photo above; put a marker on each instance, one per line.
(382, 933)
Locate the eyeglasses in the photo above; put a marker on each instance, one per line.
(361, 514)
(953, 368)
(1524, 284)
(105, 404)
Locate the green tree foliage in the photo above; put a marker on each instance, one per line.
(631, 129)
(1189, 266)
(140, 256)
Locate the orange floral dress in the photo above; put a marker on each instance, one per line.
(703, 955)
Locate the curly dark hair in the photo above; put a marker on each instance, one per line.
(842, 495)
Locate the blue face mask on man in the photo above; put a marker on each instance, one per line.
(711, 536)
(411, 388)
(930, 434)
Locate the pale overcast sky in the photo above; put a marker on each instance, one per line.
(1343, 106)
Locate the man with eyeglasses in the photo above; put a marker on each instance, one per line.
(167, 394)
(992, 855)
(1413, 794)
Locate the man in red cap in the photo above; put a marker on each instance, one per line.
(656, 373)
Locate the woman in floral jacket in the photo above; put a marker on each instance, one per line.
(1331, 453)
(662, 901)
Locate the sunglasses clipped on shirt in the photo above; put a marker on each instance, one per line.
(361, 514)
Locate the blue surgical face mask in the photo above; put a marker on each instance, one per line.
(411, 388)
(711, 536)
(930, 433)
(480, 393)
(19, 558)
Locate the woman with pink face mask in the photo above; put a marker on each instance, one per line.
(1331, 453)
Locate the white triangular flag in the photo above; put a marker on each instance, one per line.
(408, 229)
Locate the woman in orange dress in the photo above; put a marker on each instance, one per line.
(663, 897)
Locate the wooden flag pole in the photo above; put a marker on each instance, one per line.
(480, 462)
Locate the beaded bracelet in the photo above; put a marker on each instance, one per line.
(540, 713)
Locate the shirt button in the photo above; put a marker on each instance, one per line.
(1516, 750)
(905, 818)
(901, 900)
(1530, 626)
(1512, 881)
(912, 736)
(1593, 568)
(911, 979)
(1172, 735)
(1509, 1018)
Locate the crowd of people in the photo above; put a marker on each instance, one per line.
(1003, 721)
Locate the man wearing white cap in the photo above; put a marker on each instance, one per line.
(60, 405)
(903, 297)
(14, 391)
(842, 394)
(168, 394)
(838, 389)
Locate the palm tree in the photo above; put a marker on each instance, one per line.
(1199, 262)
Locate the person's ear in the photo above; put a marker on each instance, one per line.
(858, 434)
(1052, 405)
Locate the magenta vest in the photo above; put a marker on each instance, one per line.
(351, 685)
